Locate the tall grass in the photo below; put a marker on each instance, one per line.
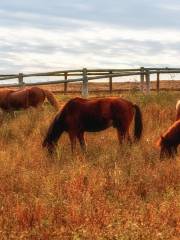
(111, 192)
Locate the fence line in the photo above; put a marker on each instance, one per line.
(85, 75)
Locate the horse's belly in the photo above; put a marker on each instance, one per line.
(99, 125)
(16, 105)
(17, 101)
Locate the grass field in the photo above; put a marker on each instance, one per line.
(111, 192)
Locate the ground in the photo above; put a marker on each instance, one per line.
(111, 192)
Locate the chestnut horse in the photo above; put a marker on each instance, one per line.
(178, 110)
(81, 115)
(170, 140)
(24, 98)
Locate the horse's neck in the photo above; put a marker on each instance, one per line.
(173, 134)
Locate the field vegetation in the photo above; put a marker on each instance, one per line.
(111, 192)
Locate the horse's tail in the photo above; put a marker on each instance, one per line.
(56, 128)
(138, 125)
(178, 110)
(51, 98)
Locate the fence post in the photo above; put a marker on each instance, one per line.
(158, 81)
(20, 79)
(142, 78)
(110, 82)
(85, 83)
(147, 82)
(65, 84)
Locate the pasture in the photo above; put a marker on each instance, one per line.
(111, 192)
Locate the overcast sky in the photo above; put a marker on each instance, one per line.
(41, 35)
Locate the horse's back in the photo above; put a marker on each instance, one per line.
(99, 104)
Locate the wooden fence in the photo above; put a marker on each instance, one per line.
(86, 75)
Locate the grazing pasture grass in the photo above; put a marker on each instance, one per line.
(111, 192)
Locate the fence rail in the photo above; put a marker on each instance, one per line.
(85, 75)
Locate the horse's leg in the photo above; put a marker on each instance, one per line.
(72, 137)
(122, 129)
(128, 137)
(121, 136)
(82, 141)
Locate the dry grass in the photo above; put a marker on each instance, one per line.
(118, 87)
(109, 193)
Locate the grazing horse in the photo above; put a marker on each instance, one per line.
(81, 115)
(24, 98)
(178, 110)
(170, 140)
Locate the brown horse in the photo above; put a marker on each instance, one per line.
(24, 98)
(81, 115)
(178, 110)
(170, 140)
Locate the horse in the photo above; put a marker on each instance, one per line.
(178, 110)
(92, 115)
(170, 140)
(24, 98)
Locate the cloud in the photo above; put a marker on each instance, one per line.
(51, 35)
(131, 13)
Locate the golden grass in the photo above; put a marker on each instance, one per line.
(109, 193)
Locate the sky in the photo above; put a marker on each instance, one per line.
(51, 35)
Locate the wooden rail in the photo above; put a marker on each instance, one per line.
(85, 75)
